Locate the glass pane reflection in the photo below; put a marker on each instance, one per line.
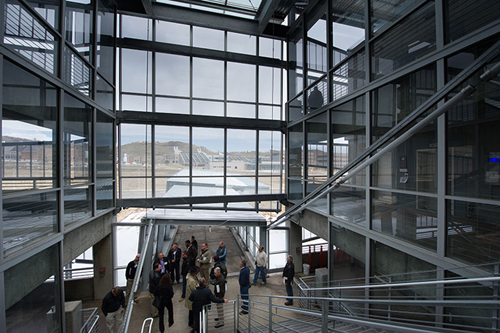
(409, 217)
(28, 131)
(28, 219)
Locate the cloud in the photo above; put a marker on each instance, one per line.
(19, 129)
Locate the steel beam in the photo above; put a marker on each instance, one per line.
(211, 222)
(266, 13)
(212, 20)
(161, 202)
(159, 118)
(139, 44)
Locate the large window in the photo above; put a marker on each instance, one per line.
(198, 161)
(179, 157)
(135, 161)
(473, 162)
(29, 163)
(409, 40)
(23, 30)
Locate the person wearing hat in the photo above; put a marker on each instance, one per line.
(191, 284)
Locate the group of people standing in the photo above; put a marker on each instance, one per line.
(197, 271)
(195, 291)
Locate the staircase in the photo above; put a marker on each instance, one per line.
(411, 303)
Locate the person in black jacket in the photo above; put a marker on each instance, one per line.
(187, 262)
(130, 275)
(174, 260)
(202, 296)
(194, 243)
(154, 280)
(288, 274)
(219, 264)
(165, 291)
(244, 281)
(113, 305)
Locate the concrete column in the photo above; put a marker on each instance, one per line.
(295, 242)
(103, 267)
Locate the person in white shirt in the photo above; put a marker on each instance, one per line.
(260, 266)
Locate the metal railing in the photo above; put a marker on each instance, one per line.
(147, 325)
(78, 273)
(471, 304)
(130, 306)
(228, 312)
(91, 321)
(265, 314)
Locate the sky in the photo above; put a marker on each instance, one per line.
(24, 130)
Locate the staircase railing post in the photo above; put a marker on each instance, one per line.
(236, 314)
(203, 319)
(390, 298)
(270, 315)
(324, 316)
(496, 291)
(248, 313)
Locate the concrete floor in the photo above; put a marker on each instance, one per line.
(142, 310)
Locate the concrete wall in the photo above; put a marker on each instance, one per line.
(22, 279)
(81, 289)
(315, 223)
(103, 267)
(295, 246)
(84, 237)
(349, 242)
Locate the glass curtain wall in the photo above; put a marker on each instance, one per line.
(57, 146)
(183, 158)
(376, 76)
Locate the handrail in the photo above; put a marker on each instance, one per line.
(472, 303)
(366, 158)
(130, 305)
(410, 284)
(91, 320)
(327, 313)
(149, 323)
(254, 321)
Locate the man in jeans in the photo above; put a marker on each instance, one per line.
(222, 252)
(260, 266)
(244, 281)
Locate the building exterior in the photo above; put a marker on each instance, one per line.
(300, 90)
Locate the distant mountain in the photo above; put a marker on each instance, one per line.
(135, 150)
(6, 138)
